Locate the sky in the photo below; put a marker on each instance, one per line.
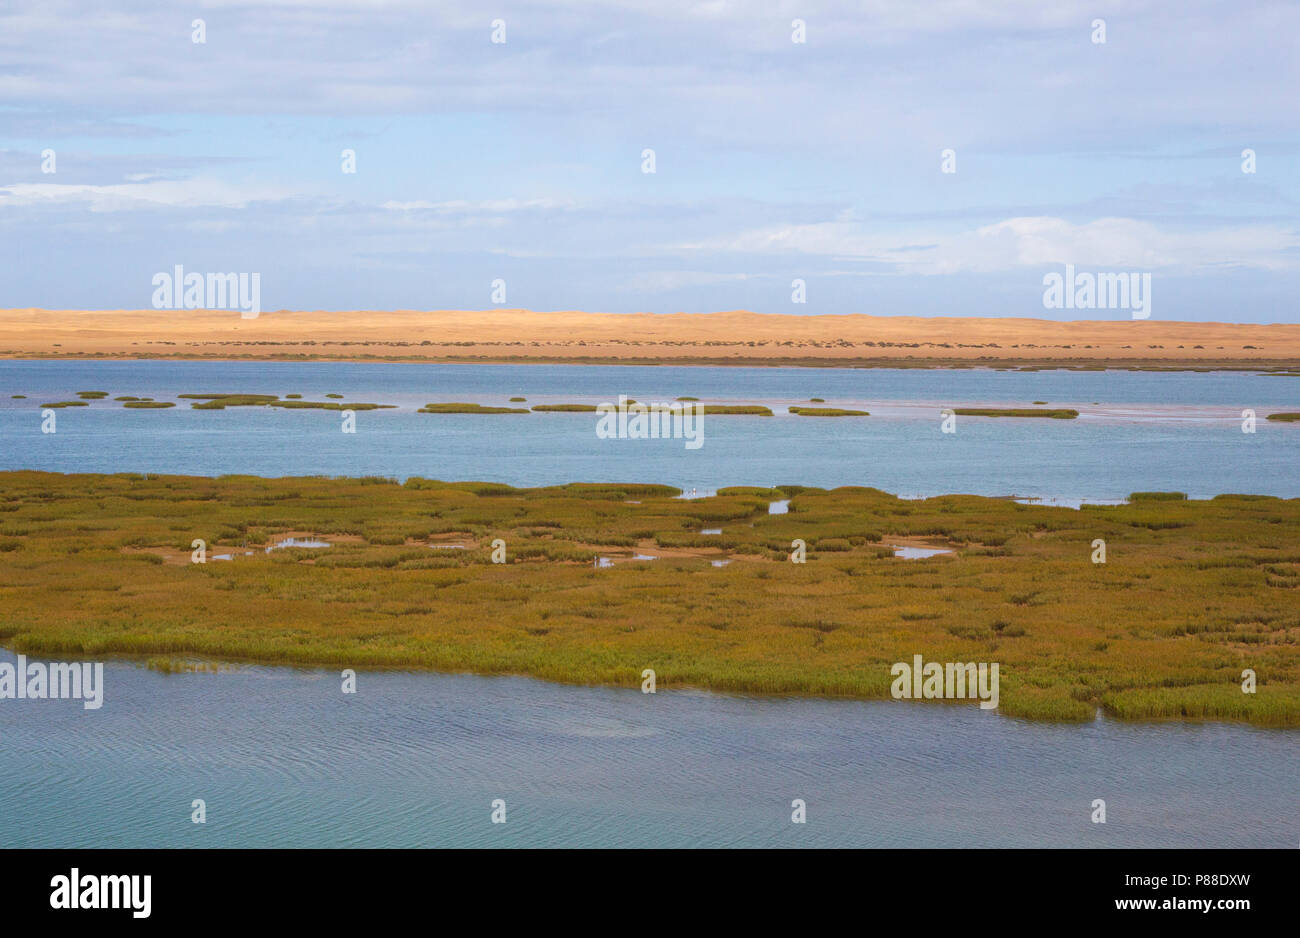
(775, 160)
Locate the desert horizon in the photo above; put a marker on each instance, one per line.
(518, 335)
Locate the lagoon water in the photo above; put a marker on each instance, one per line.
(282, 758)
(1138, 431)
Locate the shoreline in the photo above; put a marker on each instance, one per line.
(1051, 501)
(1283, 367)
(215, 666)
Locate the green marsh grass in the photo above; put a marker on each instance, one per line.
(827, 412)
(327, 405)
(222, 401)
(743, 410)
(1192, 593)
(1057, 414)
(463, 408)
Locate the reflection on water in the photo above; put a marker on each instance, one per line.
(278, 545)
(918, 553)
(296, 542)
(1076, 503)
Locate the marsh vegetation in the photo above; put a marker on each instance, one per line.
(466, 408)
(1058, 414)
(1191, 593)
(828, 412)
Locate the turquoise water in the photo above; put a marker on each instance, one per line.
(1138, 431)
(283, 758)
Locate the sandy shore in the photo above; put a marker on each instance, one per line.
(735, 337)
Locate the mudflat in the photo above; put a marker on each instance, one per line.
(721, 338)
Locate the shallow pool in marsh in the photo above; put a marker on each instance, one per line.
(283, 758)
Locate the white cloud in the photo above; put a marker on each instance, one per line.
(1026, 242)
(132, 196)
(491, 206)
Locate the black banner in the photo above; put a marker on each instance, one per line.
(292, 887)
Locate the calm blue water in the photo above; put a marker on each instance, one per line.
(1138, 430)
(283, 758)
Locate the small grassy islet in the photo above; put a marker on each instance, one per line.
(1058, 414)
(827, 412)
(466, 408)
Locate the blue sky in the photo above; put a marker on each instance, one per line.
(775, 160)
